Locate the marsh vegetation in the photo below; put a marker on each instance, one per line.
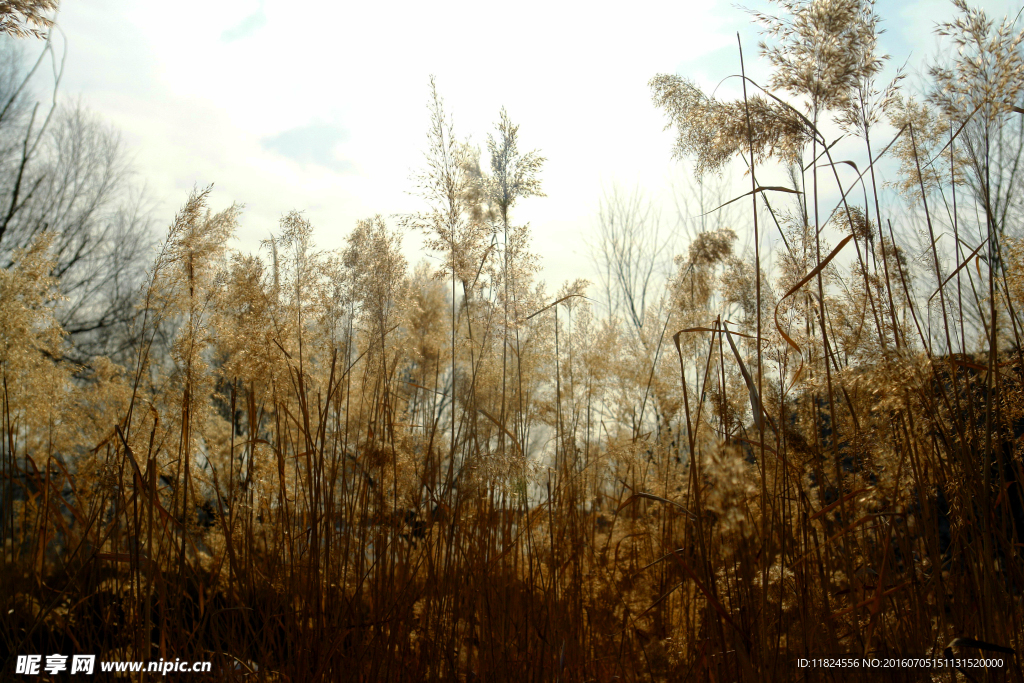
(311, 465)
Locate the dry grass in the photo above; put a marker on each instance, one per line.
(338, 469)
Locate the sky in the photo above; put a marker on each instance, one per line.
(322, 106)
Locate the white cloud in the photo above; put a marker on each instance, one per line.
(238, 92)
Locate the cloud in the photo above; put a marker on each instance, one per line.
(246, 27)
(312, 143)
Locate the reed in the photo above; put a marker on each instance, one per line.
(341, 468)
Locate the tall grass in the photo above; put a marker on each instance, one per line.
(341, 469)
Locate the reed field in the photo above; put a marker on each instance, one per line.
(336, 465)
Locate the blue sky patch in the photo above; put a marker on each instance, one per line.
(313, 143)
(246, 27)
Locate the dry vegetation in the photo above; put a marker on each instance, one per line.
(331, 466)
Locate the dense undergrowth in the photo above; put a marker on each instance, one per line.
(329, 466)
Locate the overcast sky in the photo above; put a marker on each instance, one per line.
(321, 106)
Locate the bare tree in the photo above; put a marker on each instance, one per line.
(633, 254)
(22, 129)
(68, 173)
(635, 248)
